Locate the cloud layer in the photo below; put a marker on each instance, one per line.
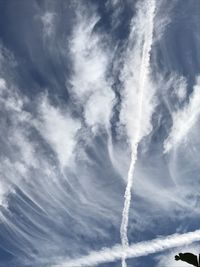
(83, 87)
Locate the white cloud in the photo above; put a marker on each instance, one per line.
(98, 108)
(29, 169)
(25, 146)
(10, 99)
(17, 153)
(89, 62)
(4, 189)
(91, 58)
(59, 129)
(184, 119)
(181, 88)
(48, 21)
(173, 90)
(164, 9)
(116, 7)
(2, 84)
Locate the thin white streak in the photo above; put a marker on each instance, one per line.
(136, 250)
(148, 39)
(184, 119)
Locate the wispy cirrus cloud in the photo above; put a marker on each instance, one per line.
(184, 119)
(59, 129)
(30, 176)
(39, 141)
(48, 22)
(59, 184)
(15, 146)
(89, 81)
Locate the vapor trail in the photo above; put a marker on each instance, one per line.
(140, 249)
(148, 39)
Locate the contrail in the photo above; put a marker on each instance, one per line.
(148, 39)
(136, 250)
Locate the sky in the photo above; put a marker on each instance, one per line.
(99, 132)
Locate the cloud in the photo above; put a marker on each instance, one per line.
(184, 120)
(136, 250)
(174, 88)
(48, 198)
(52, 199)
(59, 129)
(33, 198)
(48, 21)
(164, 10)
(94, 113)
(89, 82)
(2, 84)
(16, 153)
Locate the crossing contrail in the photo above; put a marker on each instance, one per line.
(150, 6)
(136, 250)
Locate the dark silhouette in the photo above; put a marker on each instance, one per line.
(188, 257)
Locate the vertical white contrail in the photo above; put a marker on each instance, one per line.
(150, 6)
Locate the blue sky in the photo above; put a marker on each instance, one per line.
(98, 98)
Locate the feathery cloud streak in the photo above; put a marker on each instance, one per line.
(91, 57)
(184, 119)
